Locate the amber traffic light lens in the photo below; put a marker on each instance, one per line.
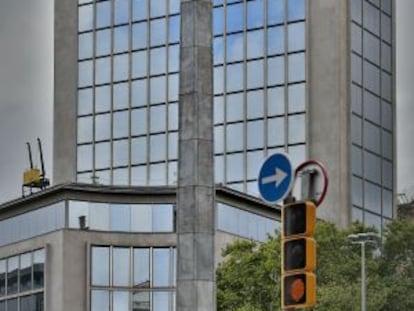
(295, 289)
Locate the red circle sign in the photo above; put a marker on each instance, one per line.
(324, 173)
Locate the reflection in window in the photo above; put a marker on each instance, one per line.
(235, 17)
(103, 14)
(295, 10)
(121, 266)
(243, 223)
(162, 261)
(296, 37)
(100, 300)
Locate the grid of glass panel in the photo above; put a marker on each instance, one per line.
(125, 278)
(245, 224)
(122, 217)
(22, 282)
(128, 91)
(372, 111)
(33, 223)
(259, 86)
(128, 88)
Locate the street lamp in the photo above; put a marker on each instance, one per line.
(362, 239)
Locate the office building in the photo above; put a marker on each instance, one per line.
(312, 78)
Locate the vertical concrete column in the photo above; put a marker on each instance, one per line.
(65, 91)
(195, 217)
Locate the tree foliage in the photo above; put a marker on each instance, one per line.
(249, 277)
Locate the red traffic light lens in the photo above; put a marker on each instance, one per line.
(295, 289)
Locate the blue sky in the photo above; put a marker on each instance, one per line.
(26, 88)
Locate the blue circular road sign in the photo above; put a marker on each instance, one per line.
(275, 177)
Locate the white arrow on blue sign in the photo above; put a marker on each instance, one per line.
(275, 177)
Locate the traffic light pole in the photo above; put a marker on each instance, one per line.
(363, 279)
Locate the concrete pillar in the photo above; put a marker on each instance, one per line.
(195, 217)
(329, 110)
(65, 91)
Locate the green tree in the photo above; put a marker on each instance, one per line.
(249, 277)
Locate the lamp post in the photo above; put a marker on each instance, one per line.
(362, 239)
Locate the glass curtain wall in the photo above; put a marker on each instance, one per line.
(128, 89)
(372, 111)
(259, 86)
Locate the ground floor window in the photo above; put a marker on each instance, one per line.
(132, 278)
(22, 282)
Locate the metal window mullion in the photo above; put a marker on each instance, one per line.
(265, 80)
(245, 73)
(148, 50)
(307, 75)
(380, 117)
(362, 111)
(111, 84)
(286, 75)
(129, 91)
(94, 47)
(224, 92)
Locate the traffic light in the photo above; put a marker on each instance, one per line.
(299, 255)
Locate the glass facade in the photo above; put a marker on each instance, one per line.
(128, 89)
(245, 224)
(122, 217)
(40, 221)
(137, 279)
(22, 282)
(372, 111)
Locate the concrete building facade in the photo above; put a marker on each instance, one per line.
(80, 247)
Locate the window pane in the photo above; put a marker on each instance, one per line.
(161, 262)
(100, 266)
(121, 67)
(255, 104)
(139, 9)
(275, 38)
(99, 216)
(162, 218)
(141, 218)
(161, 301)
(38, 268)
(295, 9)
(141, 301)
(255, 134)
(2, 277)
(234, 163)
(296, 128)
(121, 11)
(235, 137)
(139, 93)
(103, 70)
(139, 64)
(85, 46)
(139, 150)
(255, 14)
(120, 215)
(85, 17)
(121, 39)
(102, 99)
(102, 155)
(100, 300)
(85, 73)
(103, 14)
(121, 95)
(12, 271)
(141, 268)
(102, 127)
(235, 107)
(139, 35)
(85, 102)
(255, 43)
(103, 42)
(296, 63)
(158, 31)
(296, 37)
(25, 272)
(120, 301)
(235, 17)
(121, 266)
(276, 70)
